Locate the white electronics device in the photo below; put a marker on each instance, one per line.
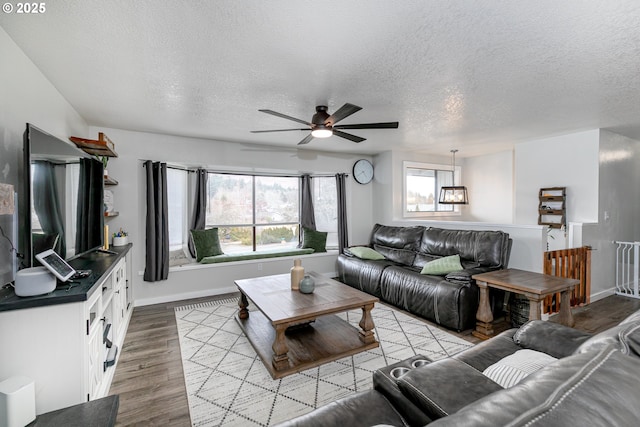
(52, 261)
(34, 281)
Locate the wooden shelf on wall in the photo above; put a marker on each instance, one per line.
(552, 207)
(102, 146)
(110, 181)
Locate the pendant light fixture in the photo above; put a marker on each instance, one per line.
(454, 194)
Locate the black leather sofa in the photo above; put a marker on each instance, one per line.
(594, 382)
(451, 300)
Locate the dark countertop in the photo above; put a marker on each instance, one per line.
(101, 264)
(96, 413)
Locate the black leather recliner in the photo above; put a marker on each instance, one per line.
(594, 382)
(451, 300)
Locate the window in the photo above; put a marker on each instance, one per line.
(253, 213)
(325, 208)
(177, 220)
(422, 183)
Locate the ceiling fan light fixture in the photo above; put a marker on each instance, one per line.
(323, 124)
(321, 131)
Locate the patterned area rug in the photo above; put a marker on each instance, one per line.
(227, 384)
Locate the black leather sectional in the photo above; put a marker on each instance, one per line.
(594, 382)
(451, 300)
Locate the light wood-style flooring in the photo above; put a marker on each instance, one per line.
(150, 381)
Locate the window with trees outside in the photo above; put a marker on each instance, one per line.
(422, 184)
(251, 212)
(259, 213)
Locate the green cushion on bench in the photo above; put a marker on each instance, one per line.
(242, 256)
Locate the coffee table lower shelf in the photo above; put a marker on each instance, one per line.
(327, 339)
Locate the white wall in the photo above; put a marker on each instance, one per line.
(618, 211)
(489, 180)
(564, 161)
(26, 96)
(129, 195)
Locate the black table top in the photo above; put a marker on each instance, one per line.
(96, 413)
(100, 263)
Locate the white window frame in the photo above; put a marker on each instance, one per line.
(432, 166)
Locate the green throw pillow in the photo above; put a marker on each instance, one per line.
(364, 252)
(316, 240)
(442, 266)
(206, 243)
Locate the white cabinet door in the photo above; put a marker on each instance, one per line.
(95, 360)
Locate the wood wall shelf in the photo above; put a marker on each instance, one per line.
(110, 214)
(552, 207)
(102, 146)
(110, 181)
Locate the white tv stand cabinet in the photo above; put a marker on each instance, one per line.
(57, 339)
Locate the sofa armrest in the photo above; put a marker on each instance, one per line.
(445, 386)
(486, 353)
(548, 337)
(464, 276)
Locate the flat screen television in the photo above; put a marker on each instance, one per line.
(62, 203)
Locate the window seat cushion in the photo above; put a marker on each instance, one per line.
(242, 256)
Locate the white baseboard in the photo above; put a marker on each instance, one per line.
(602, 294)
(184, 296)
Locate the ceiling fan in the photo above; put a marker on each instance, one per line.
(323, 125)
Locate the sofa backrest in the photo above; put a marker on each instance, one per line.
(398, 244)
(596, 388)
(487, 248)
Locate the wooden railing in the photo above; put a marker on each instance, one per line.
(574, 263)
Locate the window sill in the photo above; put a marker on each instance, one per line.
(431, 214)
(196, 265)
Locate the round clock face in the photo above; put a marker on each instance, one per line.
(363, 171)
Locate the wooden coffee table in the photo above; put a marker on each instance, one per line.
(534, 286)
(293, 331)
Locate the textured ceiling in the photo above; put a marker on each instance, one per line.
(476, 76)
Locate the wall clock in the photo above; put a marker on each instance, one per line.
(363, 171)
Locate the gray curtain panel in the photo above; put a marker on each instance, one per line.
(47, 205)
(199, 207)
(90, 215)
(157, 228)
(307, 217)
(343, 235)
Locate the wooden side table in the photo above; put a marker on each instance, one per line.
(534, 286)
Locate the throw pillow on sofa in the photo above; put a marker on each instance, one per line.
(509, 370)
(442, 266)
(206, 242)
(312, 239)
(364, 252)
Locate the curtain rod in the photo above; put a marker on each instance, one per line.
(283, 175)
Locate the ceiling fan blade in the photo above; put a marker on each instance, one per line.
(275, 130)
(343, 112)
(348, 136)
(385, 125)
(306, 140)
(284, 116)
